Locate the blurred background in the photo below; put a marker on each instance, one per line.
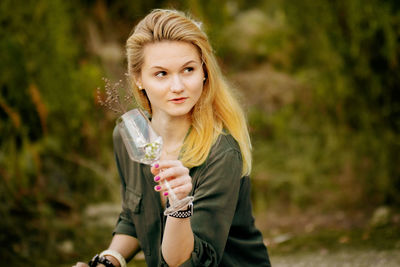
(320, 81)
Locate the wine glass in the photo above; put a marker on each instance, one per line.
(144, 145)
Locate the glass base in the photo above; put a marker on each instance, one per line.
(178, 205)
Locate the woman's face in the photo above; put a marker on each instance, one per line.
(172, 75)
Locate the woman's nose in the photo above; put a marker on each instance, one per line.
(176, 85)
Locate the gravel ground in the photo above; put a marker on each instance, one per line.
(323, 258)
(342, 258)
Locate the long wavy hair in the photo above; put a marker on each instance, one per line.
(217, 109)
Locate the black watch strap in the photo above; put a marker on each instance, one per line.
(100, 260)
(182, 214)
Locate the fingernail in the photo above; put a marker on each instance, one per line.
(157, 178)
(158, 187)
(166, 194)
(156, 166)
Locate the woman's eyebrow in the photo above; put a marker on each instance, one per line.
(185, 64)
(190, 62)
(157, 67)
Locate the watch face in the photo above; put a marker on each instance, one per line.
(191, 207)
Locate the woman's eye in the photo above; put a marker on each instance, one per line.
(188, 69)
(161, 74)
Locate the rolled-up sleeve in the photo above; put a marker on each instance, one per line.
(125, 227)
(216, 196)
(124, 224)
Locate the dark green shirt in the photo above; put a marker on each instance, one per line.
(222, 221)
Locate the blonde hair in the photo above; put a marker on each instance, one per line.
(217, 108)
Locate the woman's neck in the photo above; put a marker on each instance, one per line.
(173, 130)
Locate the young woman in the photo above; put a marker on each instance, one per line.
(206, 154)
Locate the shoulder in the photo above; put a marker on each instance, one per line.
(225, 150)
(225, 143)
(119, 148)
(221, 169)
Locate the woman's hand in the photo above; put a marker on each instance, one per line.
(177, 176)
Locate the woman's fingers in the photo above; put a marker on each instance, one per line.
(176, 175)
(182, 191)
(168, 169)
(155, 169)
(173, 172)
(164, 164)
(173, 181)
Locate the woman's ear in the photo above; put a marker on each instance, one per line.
(138, 81)
(205, 72)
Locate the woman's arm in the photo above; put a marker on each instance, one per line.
(178, 240)
(126, 245)
(216, 193)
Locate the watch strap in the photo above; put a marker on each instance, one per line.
(182, 214)
(116, 255)
(100, 260)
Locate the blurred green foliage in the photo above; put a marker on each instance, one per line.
(340, 135)
(320, 80)
(49, 127)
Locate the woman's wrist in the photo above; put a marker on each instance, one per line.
(115, 257)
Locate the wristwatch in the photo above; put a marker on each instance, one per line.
(182, 214)
(100, 260)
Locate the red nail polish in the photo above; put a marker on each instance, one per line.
(157, 178)
(158, 187)
(166, 194)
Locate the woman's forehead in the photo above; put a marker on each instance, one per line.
(170, 53)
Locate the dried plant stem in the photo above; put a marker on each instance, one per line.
(113, 100)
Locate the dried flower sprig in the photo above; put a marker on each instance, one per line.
(114, 100)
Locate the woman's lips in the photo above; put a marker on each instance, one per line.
(178, 100)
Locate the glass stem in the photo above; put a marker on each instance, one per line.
(171, 195)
